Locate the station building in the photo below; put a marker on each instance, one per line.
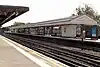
(67, 27)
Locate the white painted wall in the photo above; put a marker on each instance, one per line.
(83, 20)
(69, 30)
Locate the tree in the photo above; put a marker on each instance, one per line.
(89, 11)
(18, 23)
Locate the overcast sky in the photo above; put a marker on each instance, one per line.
(42, 10)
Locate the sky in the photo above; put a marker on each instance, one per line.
(43, 10)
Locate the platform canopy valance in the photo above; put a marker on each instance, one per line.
(8, 13)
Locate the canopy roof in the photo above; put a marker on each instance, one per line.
(8, 13)
(72, 20)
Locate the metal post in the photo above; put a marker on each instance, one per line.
(82, 34)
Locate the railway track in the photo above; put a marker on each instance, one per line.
(69, 57)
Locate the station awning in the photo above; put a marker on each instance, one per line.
(8, 13)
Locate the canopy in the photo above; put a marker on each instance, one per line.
(8, 13)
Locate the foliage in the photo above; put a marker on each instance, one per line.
(89, 11)
(18, 23)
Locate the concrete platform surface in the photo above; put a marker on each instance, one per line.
(10, 57)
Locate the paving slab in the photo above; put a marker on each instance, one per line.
(10, 57)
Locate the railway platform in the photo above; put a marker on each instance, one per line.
(10, 57)
(13, 54)
(77, 39)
